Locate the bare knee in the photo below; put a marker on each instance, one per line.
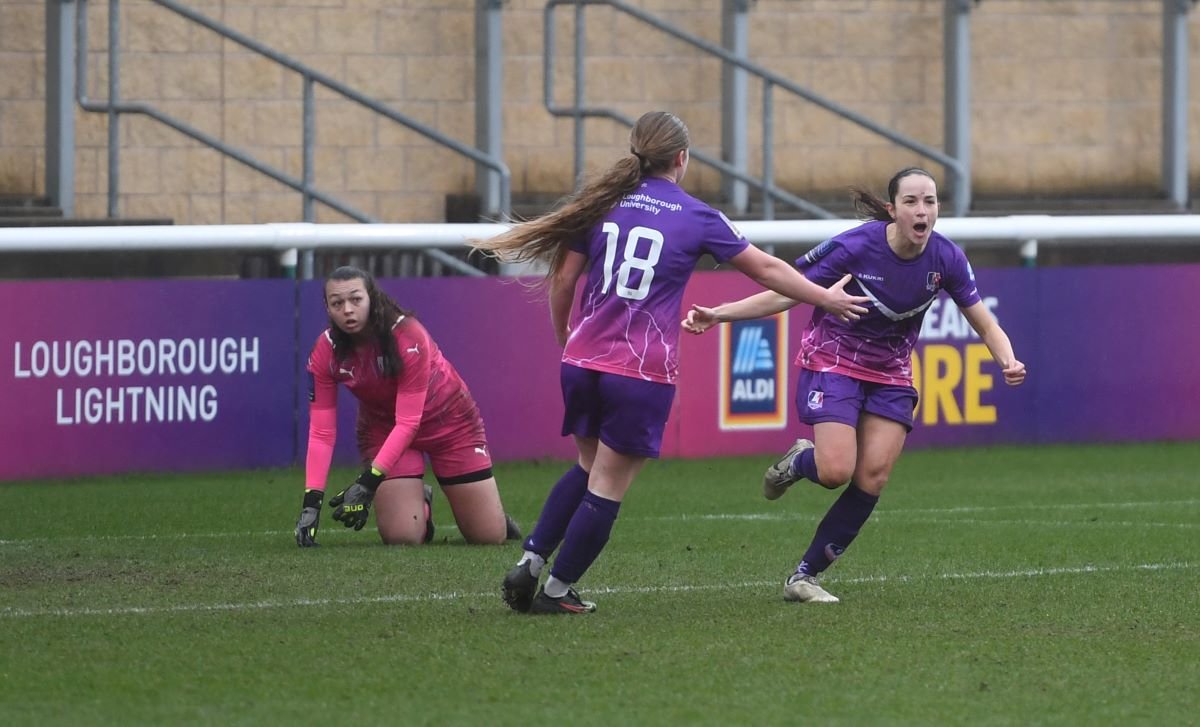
(833, 474)
(485, 539)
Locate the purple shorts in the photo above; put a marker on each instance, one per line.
(627, 414)
(830, 397)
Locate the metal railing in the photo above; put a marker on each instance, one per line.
(766, 182)
(114, 106)
(1024, 232)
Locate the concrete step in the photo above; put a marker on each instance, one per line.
(23, 201)
(47, 221)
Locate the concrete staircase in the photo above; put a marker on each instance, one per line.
(26, 210)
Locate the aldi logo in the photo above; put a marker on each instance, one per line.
(754, 374)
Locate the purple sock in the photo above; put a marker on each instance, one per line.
(805, 465)
(560, 505)
(837, 530)
(586, 537)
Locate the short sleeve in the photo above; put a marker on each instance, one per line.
(722, 239)
(960, 279)
(826, 263)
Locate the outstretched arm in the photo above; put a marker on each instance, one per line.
(994, 337)
(773, 273)
(699, 319)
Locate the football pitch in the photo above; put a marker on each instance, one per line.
(1048, 585)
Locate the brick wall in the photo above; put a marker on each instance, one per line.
(1065, 98)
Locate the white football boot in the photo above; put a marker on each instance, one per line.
(778, 476)
(806, 589)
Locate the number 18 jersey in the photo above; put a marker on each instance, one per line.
(640, 257)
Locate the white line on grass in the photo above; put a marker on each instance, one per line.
(605, 590)
(938, 510)
(783, 516)
(1056, 523)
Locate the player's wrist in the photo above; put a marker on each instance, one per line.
(371, 478)
(314, 498)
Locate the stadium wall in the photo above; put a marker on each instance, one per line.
(1065, 98)
(108, 377)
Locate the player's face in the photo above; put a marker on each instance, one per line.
(915, 208)
(348, 304)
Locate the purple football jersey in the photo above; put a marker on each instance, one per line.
(640, 257)
(878, 346)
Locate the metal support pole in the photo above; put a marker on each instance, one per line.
(114, 96)
(60, 105)
(579, 140)
(956, 61)
(734, 38)
(1175, 101)
(1029, 253)
(489, 94)
(307, 261)
(768, 133)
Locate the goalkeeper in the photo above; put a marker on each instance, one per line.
(412, 404)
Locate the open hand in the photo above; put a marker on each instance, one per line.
(699, 319)
(844, 306)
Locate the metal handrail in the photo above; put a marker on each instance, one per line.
(311, 77)
(770, 79)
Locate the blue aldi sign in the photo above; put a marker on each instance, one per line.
(754, 374)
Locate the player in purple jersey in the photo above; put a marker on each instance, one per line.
(637, 236)
(855, 384)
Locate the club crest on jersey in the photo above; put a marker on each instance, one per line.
(933, 282)
(816, 399)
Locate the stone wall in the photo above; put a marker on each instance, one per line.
(1065, 98)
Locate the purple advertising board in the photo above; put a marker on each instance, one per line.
(123, 376)
(1101, 367)
(127, 376)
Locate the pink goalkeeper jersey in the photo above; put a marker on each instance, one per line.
(640, 258)
(425, 402)
(878, 346)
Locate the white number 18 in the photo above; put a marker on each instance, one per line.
(630, 259)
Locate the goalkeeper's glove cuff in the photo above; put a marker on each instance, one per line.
(314, 498)
(371, 478)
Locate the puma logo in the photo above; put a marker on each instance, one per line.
(415, 349)
(481, 450)
(344, 372)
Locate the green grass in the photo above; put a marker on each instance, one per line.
(1049, 585)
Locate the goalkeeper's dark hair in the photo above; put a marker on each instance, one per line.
(656, 138)
(381, 320)
(870, 207)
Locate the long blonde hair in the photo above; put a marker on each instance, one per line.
(654, 142)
